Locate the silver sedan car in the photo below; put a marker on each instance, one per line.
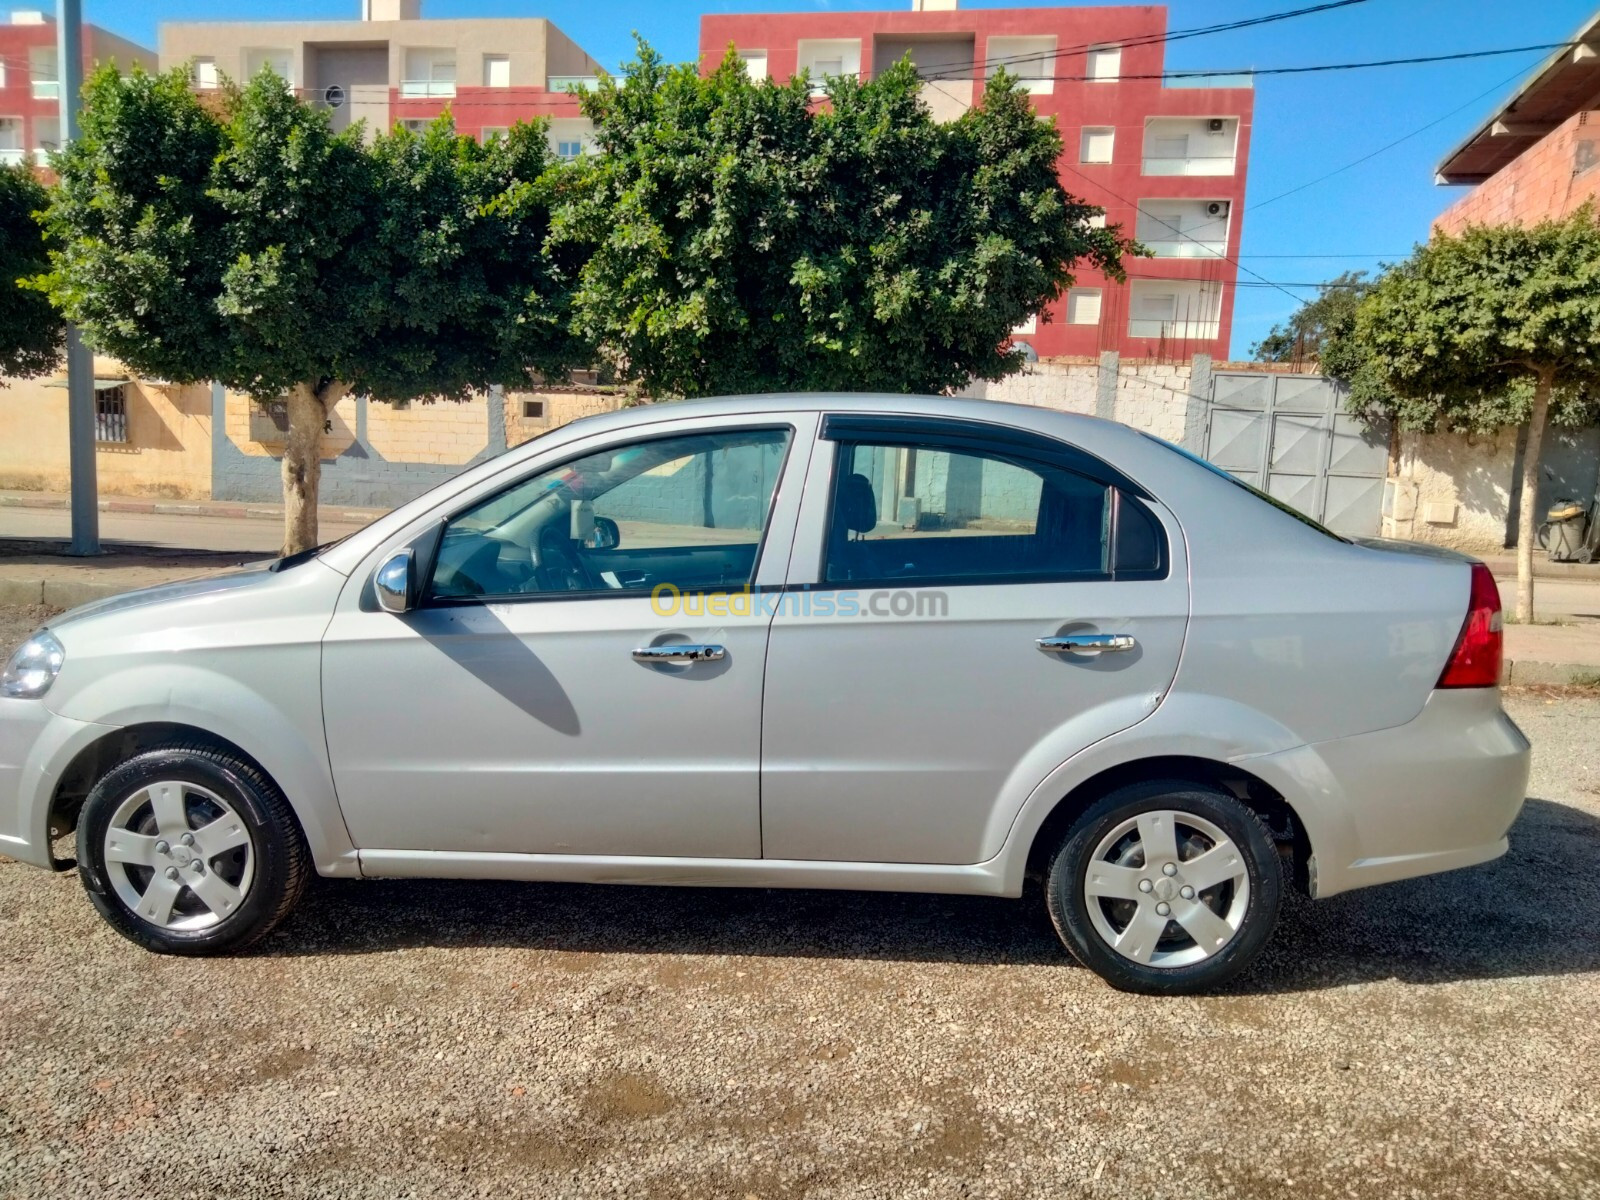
(789, 641)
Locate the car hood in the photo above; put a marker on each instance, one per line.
(165, 593)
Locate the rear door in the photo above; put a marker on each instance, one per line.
(967, 607)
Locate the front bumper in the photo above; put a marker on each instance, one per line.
(36, 746)
(1434, 794)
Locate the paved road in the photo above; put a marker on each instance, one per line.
(1427, 1039)
(252, 534)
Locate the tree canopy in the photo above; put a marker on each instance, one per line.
(1497, 326)
(245, 242)
(741, 237)
(1302, 337)
(31, 331)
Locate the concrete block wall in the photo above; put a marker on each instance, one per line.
(1452, 489)
(1558, 174)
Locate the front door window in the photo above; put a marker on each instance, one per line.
(687, 511)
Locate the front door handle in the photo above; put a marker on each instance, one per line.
(1088, 643)
(678, 654)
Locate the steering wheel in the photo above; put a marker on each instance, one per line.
(557, 566)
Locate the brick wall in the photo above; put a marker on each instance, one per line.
(1558, 174)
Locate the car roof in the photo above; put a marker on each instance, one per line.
(1002, 412)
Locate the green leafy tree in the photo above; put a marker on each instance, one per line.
(1496, 327)
(31, 331)
(244, 242)
(1302, 337)
(742, 238)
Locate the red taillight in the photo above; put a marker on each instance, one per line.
(1475, 662)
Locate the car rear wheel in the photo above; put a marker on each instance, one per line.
(188, 850)
(1166, 887)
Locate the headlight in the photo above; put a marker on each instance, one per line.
(34, 667)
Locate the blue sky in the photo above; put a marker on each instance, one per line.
(1305, 125)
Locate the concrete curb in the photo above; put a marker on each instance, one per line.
(58, 593)
(1526, 671)
(180, 508)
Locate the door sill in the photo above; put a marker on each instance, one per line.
(981, 879)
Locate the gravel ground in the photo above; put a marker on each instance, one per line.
(1431, 1038)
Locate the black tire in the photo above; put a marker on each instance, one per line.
(280, 862)
(1066, 890)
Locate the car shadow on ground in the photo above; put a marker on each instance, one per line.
(1534, 912)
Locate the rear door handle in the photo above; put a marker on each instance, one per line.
(1088, 643)
(678, 654)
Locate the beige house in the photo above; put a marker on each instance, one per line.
(392, 66)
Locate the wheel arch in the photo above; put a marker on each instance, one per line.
(95, 760)
(1288, 831)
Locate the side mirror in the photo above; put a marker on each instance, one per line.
(606, 534)
(394, 584)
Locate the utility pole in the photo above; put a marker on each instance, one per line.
(80, 361)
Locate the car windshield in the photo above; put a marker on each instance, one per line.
(1254, 491)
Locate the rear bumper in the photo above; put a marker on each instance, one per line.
(1434, 794)
(35, 747)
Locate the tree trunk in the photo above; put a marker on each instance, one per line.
(1528, 514)
(302, 466)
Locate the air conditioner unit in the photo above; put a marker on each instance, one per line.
(1215, 125)
(1217, 208)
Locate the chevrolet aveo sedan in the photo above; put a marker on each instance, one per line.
(813, 641)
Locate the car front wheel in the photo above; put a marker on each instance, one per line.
(189, 850)
(1166, 887)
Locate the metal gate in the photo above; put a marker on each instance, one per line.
(1290, 436)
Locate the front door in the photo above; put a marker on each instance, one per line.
(910, 703)
(576, 679)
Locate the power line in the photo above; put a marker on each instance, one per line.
(1417, 60)
(1220, 257)
(1356, 162)
(1153, 39)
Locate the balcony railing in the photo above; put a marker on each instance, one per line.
(1220, 164)
(1185, 248)
(427, 89)
(47, 89)
(41, 156)
(1173, 330)
(1243, 79)
(11, 156)
(566, 83)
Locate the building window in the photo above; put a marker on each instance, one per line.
(1190, 146)
(416, 125)
(497, 70)
(489, 132)
(429, 73)
(278, 61)
(1030, 326)
(824, 59)
(1083, 306)
(567, 151)
(46, 138)
(755, 63)
(42, 64)
(1104, 64)
(12, 148)
(111, 414)
(1030, 59)
(1098, 221)
(2, 73)
(1098, 143)
(533, 410)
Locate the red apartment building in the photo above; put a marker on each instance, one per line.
(1164, 159)
(30, 89)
